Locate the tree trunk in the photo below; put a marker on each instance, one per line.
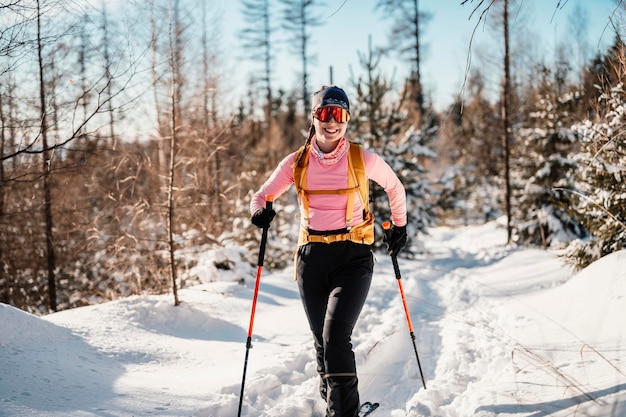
(505, 122)
(210, 120)
(47, 156)
(5, 291)
(417, 89)
(160, 157)
(108, 64)
(305, 75)
(174, 67)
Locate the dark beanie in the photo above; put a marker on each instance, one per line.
(331, 96)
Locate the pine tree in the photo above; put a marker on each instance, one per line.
(542, 168)
(601, 202)
(382, 125)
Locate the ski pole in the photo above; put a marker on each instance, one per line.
(396, 269)
(268, 206)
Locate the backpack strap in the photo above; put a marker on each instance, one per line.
(358, 170)
(357, 181)
(299, 180)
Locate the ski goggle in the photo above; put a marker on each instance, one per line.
(323, 114)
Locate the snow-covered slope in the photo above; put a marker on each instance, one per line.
(500, 331)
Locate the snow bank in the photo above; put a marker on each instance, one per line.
(500, 332)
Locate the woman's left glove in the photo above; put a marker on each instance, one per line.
(396, 240)
(263, 217)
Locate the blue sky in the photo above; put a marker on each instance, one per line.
(446, 37)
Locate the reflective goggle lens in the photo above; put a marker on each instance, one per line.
(323, 114)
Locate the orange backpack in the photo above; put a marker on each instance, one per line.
(357, 181)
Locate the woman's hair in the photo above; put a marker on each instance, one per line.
(306, 143)
(311, 126)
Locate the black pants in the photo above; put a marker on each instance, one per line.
(334, 280)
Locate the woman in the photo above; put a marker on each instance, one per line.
(334, 261)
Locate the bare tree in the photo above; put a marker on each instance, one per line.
(406, 34)
(9, 41)
(578, 22)
(210, 115)
(258, 42)
(47, 156)
(108, 64)
(506, 94)
(154, 68)
(298, 19)
(46, 146)
(175, 67)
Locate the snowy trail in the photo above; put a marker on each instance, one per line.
(500, 332)
(498, 345)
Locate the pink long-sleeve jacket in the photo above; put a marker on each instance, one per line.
(328, 211)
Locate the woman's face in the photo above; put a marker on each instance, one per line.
(329, 133)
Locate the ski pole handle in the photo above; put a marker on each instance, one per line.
(394, 259)
(387, 229)
(269, 199)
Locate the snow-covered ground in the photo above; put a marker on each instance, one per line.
(500, 331)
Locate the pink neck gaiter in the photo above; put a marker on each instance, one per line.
(332, 157)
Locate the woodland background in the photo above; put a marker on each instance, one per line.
(122, 153)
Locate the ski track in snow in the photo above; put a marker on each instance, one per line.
(500, 331)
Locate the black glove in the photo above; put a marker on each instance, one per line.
(263, 217)
(395, 240)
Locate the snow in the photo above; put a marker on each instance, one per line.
(499, 330)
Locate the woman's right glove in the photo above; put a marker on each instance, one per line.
(263, 217)
(396, 240)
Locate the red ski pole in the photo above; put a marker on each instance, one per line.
(396, 269)
(268, 206)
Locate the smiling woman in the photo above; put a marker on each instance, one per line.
(334, 262)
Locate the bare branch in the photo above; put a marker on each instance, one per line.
(338, 9)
